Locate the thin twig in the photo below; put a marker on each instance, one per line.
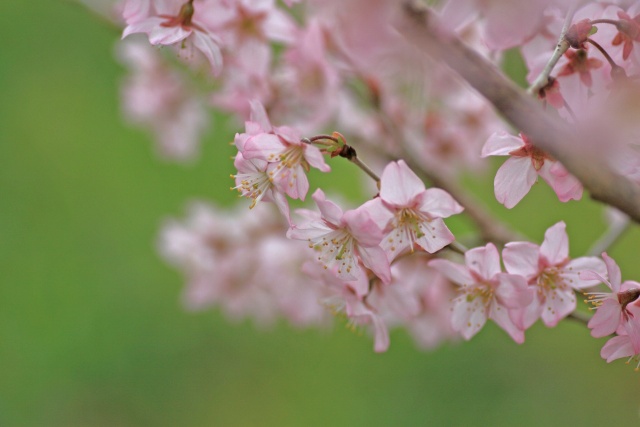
(563, 45)
(546, 131)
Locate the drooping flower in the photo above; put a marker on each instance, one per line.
(517, 175)
(613, 309)
(413, 212)
(551, 274)
(485, 292)
(283, 148)
(173, 23)
(343, 240)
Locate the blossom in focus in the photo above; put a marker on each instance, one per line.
(173, 24)
(343, 240)
(485, 292)
(551, 274)
(414, 213)
(613, 309)
(621, 346)
(283, 148)
(517, 175)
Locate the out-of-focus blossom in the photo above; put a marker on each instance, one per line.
(158, 98)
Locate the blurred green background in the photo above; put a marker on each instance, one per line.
(92, 332)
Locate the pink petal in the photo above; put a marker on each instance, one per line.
(501, 144)
(613, 272)
(521, 258)
(264, 146)
(208, 44)
(399, 185)
(437, 237)
(483, 261)
(315, 158)
(616, 348)
(525, 317)
(468, 318)
(514, 180)
(144, 26)
(259, 115)
(376, 260)
(330, 211)
(362, 227)
(168, 35)
(512, 291)
(573, 272)
(438, 203)
(500, 315)
(555, 247)
(606, 319)
(566, 186)
(557, 305)
(455, 272)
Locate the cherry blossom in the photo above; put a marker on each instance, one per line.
(284, 149)
(174, 23)
(621, 346)
(518, 174)
(343, 239)
(413, 212)
(613, 310)
(485, 292)
(551, 274)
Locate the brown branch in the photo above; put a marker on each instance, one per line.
(547, 132)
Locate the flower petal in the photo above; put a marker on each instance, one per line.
(399, 185)
(521, 258)
(514, 180)
(501, 144)
(555, 247)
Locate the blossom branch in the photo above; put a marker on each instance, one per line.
(547, 132)
(563, 45)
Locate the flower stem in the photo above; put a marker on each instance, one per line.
(563, 45)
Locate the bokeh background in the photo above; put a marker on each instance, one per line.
(92, 332)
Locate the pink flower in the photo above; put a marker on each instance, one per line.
(282, 147)
(518, 174)
(254, 180)
(415, 212)
(167, 27)
(486, 292)
(551, 274)
(613, 309)
(621, 346)
(342, 240)
(628, 32)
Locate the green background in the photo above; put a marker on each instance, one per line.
(92, 332)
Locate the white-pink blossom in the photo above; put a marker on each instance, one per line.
(551, 274)
(343, 240)
(485, 292)
(413, 213)
(613, 310)
(517, 175)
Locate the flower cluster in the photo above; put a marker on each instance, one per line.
(391, 261)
